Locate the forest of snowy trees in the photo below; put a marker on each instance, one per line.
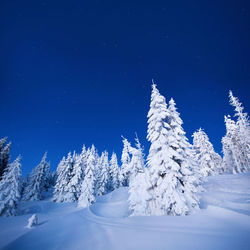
(165, 182)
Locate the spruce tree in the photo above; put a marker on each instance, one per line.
(139, 195)
(87, 196)
(10, 189)
(232, 162)
(103, 178)
(171, 168)
(113, 173)
(137, 163)
(125, 159)
(164, 172)
(184, 156)
(209, 162)
(63, 191)
(138, 183)
(76, 177)
(241, 137)
(38, 181)
(4, 155)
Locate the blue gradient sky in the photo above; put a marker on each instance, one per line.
(79, 72)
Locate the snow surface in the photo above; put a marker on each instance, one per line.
(222, 223)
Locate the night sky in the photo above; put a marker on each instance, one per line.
(79, 72)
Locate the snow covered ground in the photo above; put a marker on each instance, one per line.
(222, 223)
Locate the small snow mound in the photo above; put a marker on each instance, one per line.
(112, 205)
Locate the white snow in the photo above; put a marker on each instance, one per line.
(32, 221)
(223, 222)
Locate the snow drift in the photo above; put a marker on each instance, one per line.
(222, 223)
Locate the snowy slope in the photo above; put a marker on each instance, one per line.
(222, 223)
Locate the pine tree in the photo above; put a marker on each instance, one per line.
(10, 188)
(209, 162)
(103, 178)
(184, 157)
(137, 163)
(236, 142)
(139, 195)
(232, 162)
(171, 173)
(63, 191)
(240, 139)
(76, 177)
(113, 173)
(164, 173)
(79, 166)
(138, 183)
(38, 181)
(125, 159)
(88, 185)
(4, 155)
(60, 167)
(242, 121)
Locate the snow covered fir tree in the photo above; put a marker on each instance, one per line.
(10, 188)
(113, 173)
(125, 159)
(208, 160)
(38, 182)
(103, 175)
(172, 172)
(167, 181)
(236, 142)
(87, 196)
(138, 185)
(4, 155)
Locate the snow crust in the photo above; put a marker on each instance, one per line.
(223, 222)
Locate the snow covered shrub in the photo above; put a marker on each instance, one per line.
(32, 221)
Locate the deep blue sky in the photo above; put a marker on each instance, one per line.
(79, 72)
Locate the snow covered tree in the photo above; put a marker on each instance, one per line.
(60, 167)
(209, 162)
(139, 195)
(183, 155)
(236, 142)
(242, 123)
(63, 191)
(38, 181)
(113, 173)
(171, 175)
(75, 179)
(4, 155)
(137, 163)
(79, 164)
(10, 188)
(240, 139)
(125, 159)
(138, 182)
(164, 172)
(88, 185)
(103, 177)
(229, 145)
